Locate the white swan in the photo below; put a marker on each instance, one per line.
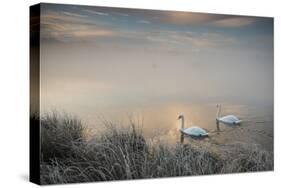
(192, 131)
(229, 119)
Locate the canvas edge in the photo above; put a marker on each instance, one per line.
(34, 108)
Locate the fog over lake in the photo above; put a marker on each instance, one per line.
(116, 64)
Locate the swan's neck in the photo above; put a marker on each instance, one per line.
(182, 122)
(218, 111)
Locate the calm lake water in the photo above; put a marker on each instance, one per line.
(160, 124)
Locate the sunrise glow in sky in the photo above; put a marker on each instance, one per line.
(97, 58)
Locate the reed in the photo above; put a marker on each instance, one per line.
(122, 154)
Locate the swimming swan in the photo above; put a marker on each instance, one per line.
(229, 119)
(192, 131)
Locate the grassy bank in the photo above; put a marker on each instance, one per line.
(67, 157)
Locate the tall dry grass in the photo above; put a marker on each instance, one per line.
(119, 154)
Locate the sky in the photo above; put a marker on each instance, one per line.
(98, 59)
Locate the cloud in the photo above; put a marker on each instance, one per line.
(67, 26)
(95, 12)
(190, 39)
(73, 14)
(209, 39)
(189, 18)
(143, 22)
(177, 41)
(122, 14)
(91, 33)
(83, 25)
(234, 22)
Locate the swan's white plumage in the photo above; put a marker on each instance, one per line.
(194, 131)
(229, 119)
